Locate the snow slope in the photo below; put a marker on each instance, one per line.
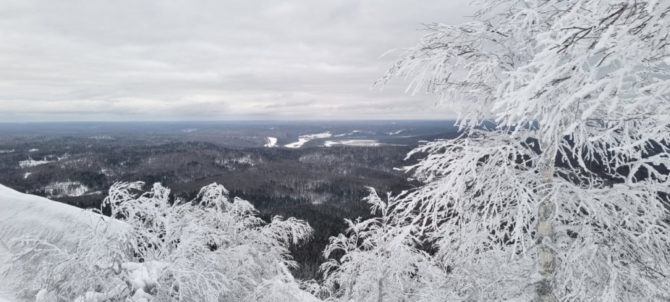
(23, 214)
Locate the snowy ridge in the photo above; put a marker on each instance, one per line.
(25, 214)
(29, 215)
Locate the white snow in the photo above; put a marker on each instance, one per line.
(243, 160)
(354, 142)
(25, 176)
(271, 142)
(298, 144)
(6, 151)
(101, 137)
(4, 297)
(350, 133)
(144, 275)
(67, 188)
(396, 132)
(28, 215)
(354, 132)
(306, 138)
(33, 163)
(189, 130)
(33, 150)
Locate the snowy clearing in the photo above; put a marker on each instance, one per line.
(68, 188)
(102, 137)
(243, 160)
(271, 142)
(354, 142)
(396, 132)
(33, 163)
(6, 151)
(303, 139)
(354, 132)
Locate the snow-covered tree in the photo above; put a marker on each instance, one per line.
(157, 249)
(558, 187)
(377, 261)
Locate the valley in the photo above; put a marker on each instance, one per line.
(313, 171)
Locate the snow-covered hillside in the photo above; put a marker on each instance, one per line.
(49, 249)
(34, 216)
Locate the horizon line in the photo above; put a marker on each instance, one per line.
(230, 121)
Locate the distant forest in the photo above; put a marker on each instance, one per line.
(322, 185)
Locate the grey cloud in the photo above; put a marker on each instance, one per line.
(155, 60)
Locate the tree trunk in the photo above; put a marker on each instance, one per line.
(545, 232)
(380, 294)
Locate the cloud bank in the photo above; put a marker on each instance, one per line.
(210, 60)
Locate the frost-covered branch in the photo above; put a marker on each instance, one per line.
(566, 198)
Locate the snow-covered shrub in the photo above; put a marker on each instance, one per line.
(377, 261)
(157, 249)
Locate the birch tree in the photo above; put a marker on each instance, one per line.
(558, 188)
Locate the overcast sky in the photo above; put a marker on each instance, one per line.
(210, 60)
